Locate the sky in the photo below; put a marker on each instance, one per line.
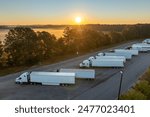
(28, 12)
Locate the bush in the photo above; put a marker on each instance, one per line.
(1, 49)
(133, 95)
(143, 87)
(141, 90)
(146, 76)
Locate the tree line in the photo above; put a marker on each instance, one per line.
(23, 46)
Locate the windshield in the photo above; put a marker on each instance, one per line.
(19, 78)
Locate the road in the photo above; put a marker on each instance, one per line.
(105, 87)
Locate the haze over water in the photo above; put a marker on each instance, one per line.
(72, 12)
(57, 32)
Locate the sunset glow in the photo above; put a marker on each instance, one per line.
(74, 12)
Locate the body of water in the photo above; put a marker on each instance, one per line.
(57, 32)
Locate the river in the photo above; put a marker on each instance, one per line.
(57, 32)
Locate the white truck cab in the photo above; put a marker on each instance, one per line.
(23, 78)
(85, 63)
(147, 41)
(91, 58)
(100, 54)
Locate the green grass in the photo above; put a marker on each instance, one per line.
(133, 95)
(141, 91)
(146, 75)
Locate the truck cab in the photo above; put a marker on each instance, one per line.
(101, 54)
(91, 58)
(147, 41)
(23, 78)
(85, 63)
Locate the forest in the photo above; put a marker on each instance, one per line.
(23, 46)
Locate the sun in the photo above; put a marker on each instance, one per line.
(78, 20)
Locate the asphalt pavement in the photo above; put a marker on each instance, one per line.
(104, 87)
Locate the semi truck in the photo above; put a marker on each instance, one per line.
(141, 47)
(81, 73)
(102, 63)
(146, 41)
(132, 51)
(126, 55)
(46, 78)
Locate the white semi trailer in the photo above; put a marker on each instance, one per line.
(102, 63)
(132, 51)
(121, 58)
(111, 57)
(126, 55)
(142, 47)
(81, 73)
(46, 78)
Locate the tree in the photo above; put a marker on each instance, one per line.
(21, 46)
(116, 37)
(1, 53)
(70, 38)
(81, 39)
(106, 40)
(46, 44)
(131, 33)
(1, 49)
(3, 60)
(60, 47)
(94, 39)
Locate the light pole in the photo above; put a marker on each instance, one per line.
(121, 73)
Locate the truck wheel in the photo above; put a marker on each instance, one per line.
(62, 85)
(66, 85)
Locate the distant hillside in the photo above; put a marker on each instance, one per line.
(117, 27)
(33, 26)
(100, 27)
